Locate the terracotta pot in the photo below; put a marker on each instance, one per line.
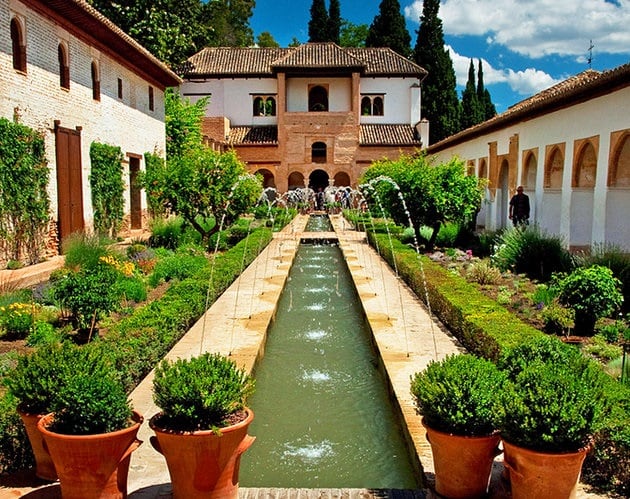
(94, 466)
(463, 465)
(203, 464)
(44, 467)
(543, 475)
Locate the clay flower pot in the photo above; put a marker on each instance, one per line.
(543, 475)
(44, 467)
(463, 464)
(205, 463)
(94, 466)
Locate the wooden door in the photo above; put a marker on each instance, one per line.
(69, 181)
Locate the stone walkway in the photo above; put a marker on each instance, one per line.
(407, 337)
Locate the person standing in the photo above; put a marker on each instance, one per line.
(519, 207)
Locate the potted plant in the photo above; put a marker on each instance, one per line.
(202, 428)
(91, 431)
(458, 399)
(553, 402)
(34, 383)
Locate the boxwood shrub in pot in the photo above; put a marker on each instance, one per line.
(458, 398)
(553, 404)
(202, 400)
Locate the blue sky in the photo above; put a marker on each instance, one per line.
(525, 45)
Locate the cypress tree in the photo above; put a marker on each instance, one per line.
(483, 96)
(472, 108)
(388, 29)
(318, 25)
(334, 21)
(440, 104)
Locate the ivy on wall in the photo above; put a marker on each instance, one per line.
(24, 199)
(154, 164)
(107, 186)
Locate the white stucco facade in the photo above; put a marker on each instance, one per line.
(572, 161)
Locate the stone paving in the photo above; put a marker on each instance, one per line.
(405, 334)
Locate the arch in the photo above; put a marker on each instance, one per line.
(318, 179)
(318, 99)
(64, 68)
(530, 171)
(366, 106)
(259, 109)
(96, 81)
(318, 152)
(377, 106)
(585, 167)
(296, 181)
(18, 45)
(619, 171)
(554, 168)
(342, 179)
(268, 178)
(502, 194)
(270, 106)
(470, 167)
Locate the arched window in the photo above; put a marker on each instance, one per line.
(318, 99)
(96, 82)
(619, 173)
(554, 169)
(264, 105)
(529, 172)
(318, 152)
(64, 67)
(483, 169)
(585, 167)
(377, 106)
(18, 46)
(372, 105)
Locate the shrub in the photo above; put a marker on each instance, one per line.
(131, 289)
(558, 319)
(17, 319)
(593, 293)
(171, 233)
(531, 251)
(553, 407)
(543, 295)
(601, 349)
(84, 250)
(199, 393)
(459, 395)
(177, 266)
(15, 451)
(44, 333)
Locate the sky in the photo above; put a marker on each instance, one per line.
(525, 45)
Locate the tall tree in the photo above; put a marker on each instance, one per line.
(334, 21)
(388, 29)
(318, 24)
(227, 22)
(266, 39)
(472, 109)
(353, 35)
(440, 104)
(483, 96)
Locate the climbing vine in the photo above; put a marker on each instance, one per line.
(107, 187)
(24, 199)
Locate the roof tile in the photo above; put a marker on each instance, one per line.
(388, 135)
(263, 134)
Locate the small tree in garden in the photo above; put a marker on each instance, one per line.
(593, 292)
(201, 185)
(433, 194)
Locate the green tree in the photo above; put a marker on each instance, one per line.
(388, 29)
(227, 22)
(472, 110)
(353, 35)
(483, 96)
(318, 24)
(433, 194)
(440, 104)
(266, 39)
(201, 185)
(334, 21)
(295, 42)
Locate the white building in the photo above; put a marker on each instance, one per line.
(68, 72)
(569, 146)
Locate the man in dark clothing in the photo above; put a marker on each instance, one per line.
(519, 207)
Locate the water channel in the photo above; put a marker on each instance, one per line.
(323, 416)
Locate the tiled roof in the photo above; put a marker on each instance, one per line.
(264, 134)
(253, 61)
(579, 88)
(388, 135)
(86, 18)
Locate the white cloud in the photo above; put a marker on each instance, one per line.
(537, 28)
(526, 82)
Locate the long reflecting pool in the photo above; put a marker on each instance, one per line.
(323, 417)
